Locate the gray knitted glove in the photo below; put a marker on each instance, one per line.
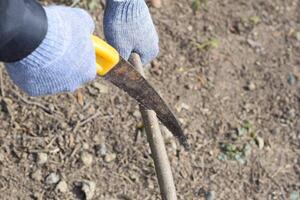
(129, 28)
(64, 60)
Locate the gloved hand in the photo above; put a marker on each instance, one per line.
(64, 60)
(129, 28)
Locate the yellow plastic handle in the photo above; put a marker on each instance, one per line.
(106, 56)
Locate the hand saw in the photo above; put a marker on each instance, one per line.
(122, 74)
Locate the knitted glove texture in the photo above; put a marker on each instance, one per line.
(64, 60)
(129, 28)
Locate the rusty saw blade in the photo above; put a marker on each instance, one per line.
(127, 78)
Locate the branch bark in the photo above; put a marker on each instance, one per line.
(157, 145)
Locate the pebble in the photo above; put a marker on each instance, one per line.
(36, 175)
(291, 79)
(51, 108)
(62, 187)
(182, 106)
(297, 35)
(251, 86)
(292, 113)
(260, 142)
(190, 28)
(41, 158)
(110, 157)
(294, 195)
(101, 150)
(102, 88)
(137, 114)
(86, 158)
(88, 187)
(85, 146)
(210, 195)
(52, 178)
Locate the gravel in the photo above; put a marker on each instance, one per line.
(88, 188)
(86, 158)
(110, 157)
(41, 158)
(62, 187)
(52, 178)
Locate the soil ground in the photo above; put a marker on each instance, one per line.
(229, 69)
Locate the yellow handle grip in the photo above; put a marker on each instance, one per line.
(106, 56)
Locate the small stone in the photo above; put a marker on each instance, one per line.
(297, 35)
(137, 114)
(85, 146)
(260, 142)
(88, 187)
(185, 106)
(62, 187)
(150, 185)
(51, 108)
(292, 113)
(101, 150)
(41, 158)
(294, 195)
(291, 79)
(251, 86)
(36, 175)
(86, 158)
(102, 88)
(182, 106)
(210, 195)
(110, 157)
(190, 28)
(52, 178)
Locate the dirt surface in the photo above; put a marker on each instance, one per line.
(229, 69)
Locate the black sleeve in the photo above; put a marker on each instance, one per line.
(23, 26)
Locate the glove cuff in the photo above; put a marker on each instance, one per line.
(54, 44)
(125, 10)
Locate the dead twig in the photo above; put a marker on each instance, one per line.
(157, 145)
(33, 103)
(97, 114)
(57, 116)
